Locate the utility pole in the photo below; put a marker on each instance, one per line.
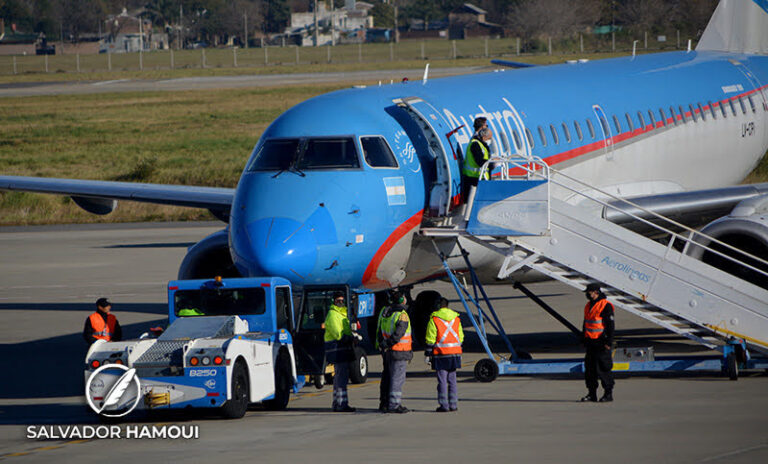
(397, 32)
(315, 10)
(181, 26)
(245, 29)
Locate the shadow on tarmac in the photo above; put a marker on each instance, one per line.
(51, 367)
(88, 308)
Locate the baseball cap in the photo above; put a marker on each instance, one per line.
(103, 302)
(592, 287)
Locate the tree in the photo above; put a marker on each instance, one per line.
(643, 15)
(554, 18)
(277, 15)
(77, 17)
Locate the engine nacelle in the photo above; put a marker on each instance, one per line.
(209, 258)
(746, 228)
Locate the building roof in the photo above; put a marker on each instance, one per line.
(470, 8)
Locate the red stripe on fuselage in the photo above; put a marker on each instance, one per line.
(369, 276)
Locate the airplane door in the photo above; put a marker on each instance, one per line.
(448, 179)
(605, 130)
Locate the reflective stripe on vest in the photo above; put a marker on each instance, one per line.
(388, 325)
(593, 323)
(471, 169)
(102, 331)
(447, 337)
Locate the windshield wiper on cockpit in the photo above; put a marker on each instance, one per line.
(292, 164)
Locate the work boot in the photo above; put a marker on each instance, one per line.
(607, 397)
(400, 409)
(442, 409)
(383, 408)
(591, 396)
(345, 408)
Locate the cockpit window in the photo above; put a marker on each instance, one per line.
(377, 153)
(275, 155)
(329, 154)
(306, 153)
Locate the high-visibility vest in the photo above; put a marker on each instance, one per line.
(388, 325)
(447, 340)
(101, 330)
(471, 169)
(593, 322)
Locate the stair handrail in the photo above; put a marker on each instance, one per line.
(550, 175)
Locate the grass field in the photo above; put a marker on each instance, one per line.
(192, 138)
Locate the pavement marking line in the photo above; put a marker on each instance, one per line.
(736, 452)
(310, 395)
(43, 448)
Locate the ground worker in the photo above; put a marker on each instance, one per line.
(394, 340)
(102, 325)
(385, 374)
(478, 152)
(444, 339)
(598, 341)
(339, 350)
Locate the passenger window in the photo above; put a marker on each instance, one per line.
(693, 113)
(682, 114)
(651, 119)
(604, 124)
(674, 116)
(752, 103)
(641, 120)
(629, 122)
(579, 134)
(518, 142)
(663, 118)
(329, 153)
(377, 152)
(702, 113)
(591, 128)
(543, 137)
(743, 106)
(529, 136)
(567, 133)
(554, 134)
(617, 124)
(712, 110)
(723, 110)
(733, 107)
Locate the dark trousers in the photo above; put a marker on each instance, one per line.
(597, 365)
(340, 380)
(386, 378)
(447, 392)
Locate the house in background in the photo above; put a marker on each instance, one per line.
(335, 26)
(131, 33)
(468, 21)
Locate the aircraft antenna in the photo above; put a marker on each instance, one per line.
(689, 45)
(426, 74)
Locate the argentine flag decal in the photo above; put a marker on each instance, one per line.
(395, 190)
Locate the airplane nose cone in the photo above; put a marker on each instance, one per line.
(283, 247)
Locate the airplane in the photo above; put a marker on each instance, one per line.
(338, 187)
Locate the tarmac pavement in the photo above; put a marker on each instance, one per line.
(50, 277)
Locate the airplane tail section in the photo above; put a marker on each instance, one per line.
(737, 26)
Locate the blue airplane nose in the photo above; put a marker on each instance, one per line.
(283, 247)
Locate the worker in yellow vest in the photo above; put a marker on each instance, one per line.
(444, 339)
(102, 324)
(395, 342)
(477, 153)
(598, 340)
(339, 350)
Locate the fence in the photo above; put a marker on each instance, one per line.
(436, 49)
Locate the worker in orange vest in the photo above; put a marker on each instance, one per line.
(395, 341)
(598, 341)
(444, 339)
(102, 325)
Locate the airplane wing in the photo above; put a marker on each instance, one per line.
(692, 208)
(100, 197)
(512, 64)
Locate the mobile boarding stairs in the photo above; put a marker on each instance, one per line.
(517, 217)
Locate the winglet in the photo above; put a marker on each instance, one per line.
(512, 64)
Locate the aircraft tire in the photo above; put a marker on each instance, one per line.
(283, 380)
(358, 369)
(486, 370)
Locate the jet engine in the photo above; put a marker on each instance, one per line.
(745, 228)
(209, 258)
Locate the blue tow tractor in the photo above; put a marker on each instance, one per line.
(230, 343)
